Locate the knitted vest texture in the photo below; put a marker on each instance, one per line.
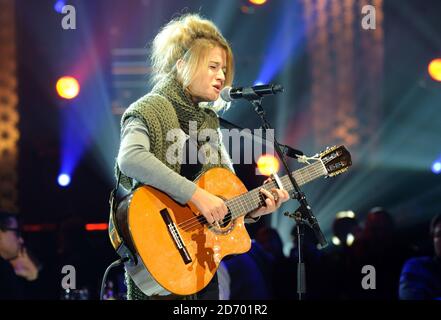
(167, 107)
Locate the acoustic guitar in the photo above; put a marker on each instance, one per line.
(173, 249)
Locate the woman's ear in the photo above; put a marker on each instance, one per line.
(180, 65)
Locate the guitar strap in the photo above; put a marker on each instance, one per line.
(114, 232)
(112, 200)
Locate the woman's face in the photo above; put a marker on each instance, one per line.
(210, 77)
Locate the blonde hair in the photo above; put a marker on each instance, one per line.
(188, 37)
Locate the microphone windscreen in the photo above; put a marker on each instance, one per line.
(225, 94)
(278, 88)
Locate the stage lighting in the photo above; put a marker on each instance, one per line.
(68, 87)
(96, 226)
(63, 180)
(336, 241)
(435, 69)
(436, 167)
(345, 214)
(350, 239)
(268, 164)
(58, 6)
(257, 2)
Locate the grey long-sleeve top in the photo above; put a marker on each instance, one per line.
(136, 161)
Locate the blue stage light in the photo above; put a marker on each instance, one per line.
(286, 42)
(436, 167)
(58, 6)
(64, 180)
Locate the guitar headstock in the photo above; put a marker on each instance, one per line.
(336, 159)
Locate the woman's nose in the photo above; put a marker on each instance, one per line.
(221, 75)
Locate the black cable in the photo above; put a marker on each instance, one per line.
(112, 265)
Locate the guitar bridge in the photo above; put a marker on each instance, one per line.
(177, 239)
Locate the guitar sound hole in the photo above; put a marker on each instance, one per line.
(225, 227)
(226, 220)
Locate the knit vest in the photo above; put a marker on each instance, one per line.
(167, 107)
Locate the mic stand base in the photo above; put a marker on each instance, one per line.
(301, 272)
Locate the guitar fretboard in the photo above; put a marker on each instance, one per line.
(252, 200)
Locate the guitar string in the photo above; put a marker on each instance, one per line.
(233, 205)
(236, 202)
(243, 201)
(298, 177)
(311, 172)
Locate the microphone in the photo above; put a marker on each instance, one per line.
(229, 94)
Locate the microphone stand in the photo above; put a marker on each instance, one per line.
(303, 215)
(301, 273)
(304, 209)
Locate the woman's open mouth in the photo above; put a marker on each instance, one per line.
(217, 88)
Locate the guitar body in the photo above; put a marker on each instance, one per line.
(173, 249)
(143, 228)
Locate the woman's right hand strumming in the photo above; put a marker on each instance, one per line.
(210, 206)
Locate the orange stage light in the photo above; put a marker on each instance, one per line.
(435, 69)
(268, 164)
(257, 2)
(68, 87)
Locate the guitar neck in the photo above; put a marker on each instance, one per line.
(253, 200)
